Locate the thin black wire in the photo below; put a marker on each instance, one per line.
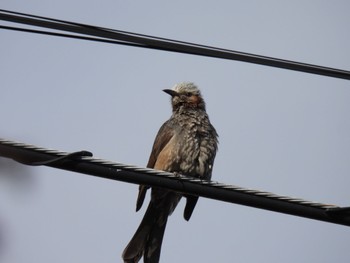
(145, 41)
(82, 162)
(70, 36)
(41, 32)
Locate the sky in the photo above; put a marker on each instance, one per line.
(281, 131)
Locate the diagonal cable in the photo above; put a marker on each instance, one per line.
(147, 41)
(82, 162)
(41, 32)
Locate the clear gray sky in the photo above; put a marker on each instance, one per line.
(280, 131)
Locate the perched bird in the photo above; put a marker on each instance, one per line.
(185, 144)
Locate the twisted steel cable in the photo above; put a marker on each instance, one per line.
(83, 162)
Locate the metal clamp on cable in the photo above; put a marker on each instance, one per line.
(71, 156)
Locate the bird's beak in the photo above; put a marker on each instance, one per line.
(171, 92)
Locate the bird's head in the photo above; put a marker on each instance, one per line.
(187, 95)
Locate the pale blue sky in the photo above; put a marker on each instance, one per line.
(280, 131)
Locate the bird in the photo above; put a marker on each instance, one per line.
(185, 144)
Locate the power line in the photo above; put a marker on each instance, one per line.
(82, 162)
(165, 44)
(69, 36)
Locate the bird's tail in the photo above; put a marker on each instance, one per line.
(147, 240)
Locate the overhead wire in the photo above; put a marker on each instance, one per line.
(83, 162)
(165, 44)
(69, 36)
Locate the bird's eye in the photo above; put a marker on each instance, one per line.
(188, 94)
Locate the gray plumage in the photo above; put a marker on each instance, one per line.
(185, 144)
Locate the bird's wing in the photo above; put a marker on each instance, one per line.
(191, 200)
(165, 133)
